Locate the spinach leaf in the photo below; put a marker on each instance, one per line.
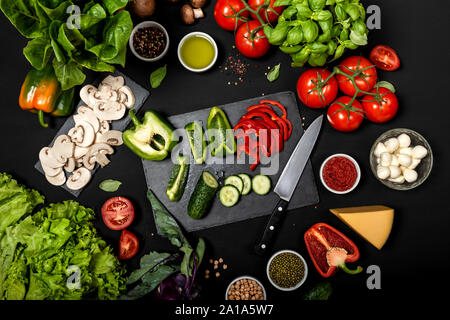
(110, 185)
(321, 291)
(274, 73)
(157, 76)
(148, 262)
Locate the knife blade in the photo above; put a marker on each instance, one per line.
(288, 181)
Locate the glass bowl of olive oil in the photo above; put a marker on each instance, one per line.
(197, 51)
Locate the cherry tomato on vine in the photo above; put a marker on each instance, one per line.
(385, 58)
(118, 213)
(269, 14)
(225, 9)
(380, 112)
(363, 71)
(128, 245)
(251, 40)
(344, 117)
(312, 89)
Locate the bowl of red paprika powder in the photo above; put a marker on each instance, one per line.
(340, 173)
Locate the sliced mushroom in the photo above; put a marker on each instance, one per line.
(109, 110)
(98, 154)
(79, 179)
(70, 165)
(104, 127)
(48, 159)
(51, 172)
(86, 114)
(63, 148)
(82, 134)
(80, 152)
(105, 93)
(115, 82)
(86, 92)
(130, 98)
(57, 180)
(113, 138)
(88, 162)
(78, 162)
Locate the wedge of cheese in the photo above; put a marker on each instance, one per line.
(373, 223)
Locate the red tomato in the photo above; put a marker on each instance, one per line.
(366, 75)
(343, 117)
(268, 13)
(313, 91)
(128, 245)
(385, 58)
(252, 45)
(380, 112)
(118, 213)
(226, 8)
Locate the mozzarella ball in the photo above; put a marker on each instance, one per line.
(404, 140)
(404, 160)
(415, 162)
(378, 160)
(392, 145)
(399, 179)
(379, 149)
(419, 152)
(385, 159)
(410, 175)
(407, 151)
(383, 172)
(394, 161)
(395, 172)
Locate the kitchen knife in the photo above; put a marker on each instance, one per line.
(288, 181)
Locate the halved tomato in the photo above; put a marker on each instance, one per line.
(385, 58)
(128, 245)
(118, 213)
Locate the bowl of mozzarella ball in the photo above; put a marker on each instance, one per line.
(401, 159)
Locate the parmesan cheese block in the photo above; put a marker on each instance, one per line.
(373, 223)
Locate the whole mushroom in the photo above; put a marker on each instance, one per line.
(143, 8)
(189, 14)
(197, 3)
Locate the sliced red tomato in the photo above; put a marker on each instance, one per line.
(345, 117)
(117, 213)
(225, 14)
(365, 75)
(128, 245)
(266, 11)
(385, 58)
(251, 40)
(312, 89)
(380, 108)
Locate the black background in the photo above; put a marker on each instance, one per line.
(415, 260)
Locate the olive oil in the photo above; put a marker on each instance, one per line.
(197, 52)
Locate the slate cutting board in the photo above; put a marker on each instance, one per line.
(251, 206)
(141, 94)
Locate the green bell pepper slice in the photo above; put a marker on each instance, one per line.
(194, 132)
(178, 179)
(220, 133)
(151, 139)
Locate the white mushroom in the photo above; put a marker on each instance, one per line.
(51, 172)
(48, 159)
(113, 138)
(419, 152)
(395, 172)
(104, 127)
(105, 93)
(80, 152)
(114, 82)
(79, 179)
(97, 153)
(399, 179)
(57, 180)
(63, 148)
(392, 145)
(404, 140)
(82, 134)
(70, 165)
(379, 149)
(109, 110)
(415, 162)
(385, 159)
(86, 92)
(383, 172)
(86, 114)
(410, 175)
(404, 160)
(129, 96)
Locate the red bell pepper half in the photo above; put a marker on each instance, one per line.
(329, 250)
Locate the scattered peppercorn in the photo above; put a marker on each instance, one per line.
(149, 42)
(286, 270)
(245, 289)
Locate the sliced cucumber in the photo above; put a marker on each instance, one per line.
(247, 183)
(261, 184)
(229, 195)
(235, 181)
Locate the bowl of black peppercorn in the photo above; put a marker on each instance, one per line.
(149, 41)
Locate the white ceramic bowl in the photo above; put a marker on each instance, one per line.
(358, 171)
(249, 278)
(305, 273)
(210, 39)
(146, 24)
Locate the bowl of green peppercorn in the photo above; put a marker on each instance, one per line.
(287, 270)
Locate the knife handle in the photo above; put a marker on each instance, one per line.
(272, 227)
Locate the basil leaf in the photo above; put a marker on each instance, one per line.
(317, 5)
(295, 35)
(274, 73)
(310, 31)
(157, 76)
(385, 84)
(357, 38)
(281, 3)
(110, 185)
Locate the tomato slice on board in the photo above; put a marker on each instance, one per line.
(128, 245)
(385, 58)
(117, 213)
